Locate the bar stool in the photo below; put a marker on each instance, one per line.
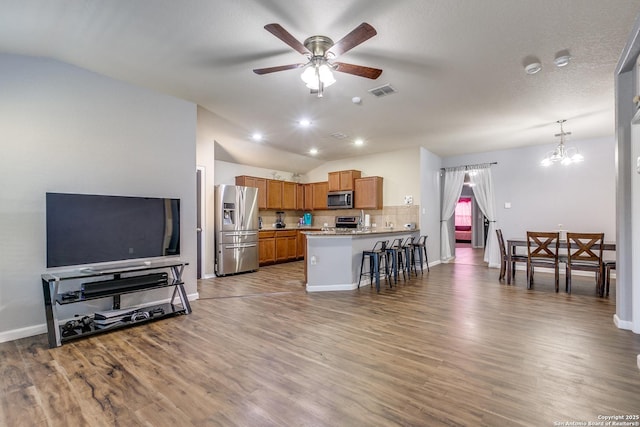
(377, 257)
(407, 249)
(395, 251)
(421, 247)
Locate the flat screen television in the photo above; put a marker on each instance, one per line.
(89, 229)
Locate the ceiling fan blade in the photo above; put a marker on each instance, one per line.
(285, 36)
(358, 70)
(278, 68)
(361, 33)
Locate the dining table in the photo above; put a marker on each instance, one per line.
(513, 244)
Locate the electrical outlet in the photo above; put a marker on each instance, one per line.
(408, 200)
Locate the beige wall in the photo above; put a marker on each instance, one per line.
(400, 170)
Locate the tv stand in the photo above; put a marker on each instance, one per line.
(92, 283)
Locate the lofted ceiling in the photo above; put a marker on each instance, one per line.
(457, 67)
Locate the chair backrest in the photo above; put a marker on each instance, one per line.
(396, 244)
(407, 242)
(543, 245)
(585, 246)
(503, 251)
(380, 245)
(422, 240)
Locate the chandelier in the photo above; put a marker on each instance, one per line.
(562, 154)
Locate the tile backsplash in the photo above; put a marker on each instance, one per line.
(389, 216)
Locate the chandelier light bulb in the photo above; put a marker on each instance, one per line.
(562, 154)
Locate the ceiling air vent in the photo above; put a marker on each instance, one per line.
(382, 90)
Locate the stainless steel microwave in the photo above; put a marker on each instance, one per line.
(340, 200)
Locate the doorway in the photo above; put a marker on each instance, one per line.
(200, 215)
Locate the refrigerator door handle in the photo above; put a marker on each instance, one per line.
(250, 245)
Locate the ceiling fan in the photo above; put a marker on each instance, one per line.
(320, 52)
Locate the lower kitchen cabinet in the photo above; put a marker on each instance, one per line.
(286, 244)
(266, 247)
(277, 246)
(302, 244)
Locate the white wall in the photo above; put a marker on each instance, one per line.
(205, 158)
(400, 170)
(69, 130)
(430, 165)
(581, 197)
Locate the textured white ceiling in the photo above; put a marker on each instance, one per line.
(458, 67)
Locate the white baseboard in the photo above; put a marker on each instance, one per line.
(622, 324)
(30, 331)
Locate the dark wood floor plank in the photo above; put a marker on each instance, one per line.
(450, 347)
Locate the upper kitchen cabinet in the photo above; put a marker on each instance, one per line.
(274, 194)
(320, 190)
(289, 195)
(367, 193)
(343, 180)
(308, 197)
(259, 183)
(300, 197)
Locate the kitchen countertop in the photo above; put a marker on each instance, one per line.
(306, 227)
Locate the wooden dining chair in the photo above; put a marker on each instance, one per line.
(504, 258)
(542, 251)
(584, 252)
(608, 265)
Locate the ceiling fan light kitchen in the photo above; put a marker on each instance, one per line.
(313, 75)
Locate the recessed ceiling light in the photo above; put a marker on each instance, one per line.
(313, 151)
(358, 142)
(304, 123)
(533, 68)
(257, 136)
(562, 60)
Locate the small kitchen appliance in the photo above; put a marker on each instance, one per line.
(307, 218)
(280, 220)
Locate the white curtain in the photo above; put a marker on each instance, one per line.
(453, 180)
(480, 177)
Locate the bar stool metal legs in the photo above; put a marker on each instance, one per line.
(421, 247)
(377, 256)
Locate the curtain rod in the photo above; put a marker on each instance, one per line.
(467, 167)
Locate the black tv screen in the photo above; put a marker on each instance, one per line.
(89, 229)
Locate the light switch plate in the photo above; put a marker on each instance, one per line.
(507, 205)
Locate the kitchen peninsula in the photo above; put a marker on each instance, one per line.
(333, 259)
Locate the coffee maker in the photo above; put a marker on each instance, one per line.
(280, 220)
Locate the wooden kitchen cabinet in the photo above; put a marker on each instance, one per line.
(343, 180)
(320, 190)
(308, 197)
(289, 195)
(302, 244)
(266, 247)
(368, 193)
(274, 194)
(300, 197)
(259, 183)
(286, 245)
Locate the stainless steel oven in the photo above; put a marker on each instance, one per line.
(340, 200)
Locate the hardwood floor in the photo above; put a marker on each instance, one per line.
(451, 347)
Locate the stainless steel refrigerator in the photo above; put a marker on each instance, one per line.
(236, 229)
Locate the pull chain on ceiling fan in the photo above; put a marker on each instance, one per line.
(319, 50)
